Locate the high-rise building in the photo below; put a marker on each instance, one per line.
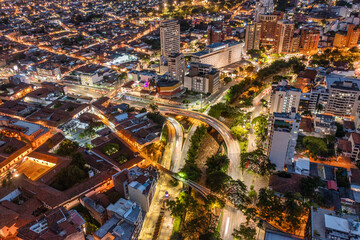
(309, 39)
(263, 7)
(176, 64)
(343, 98)
(202, 78)
(295, 43)
(252, 37)
(339, 40)
(283, 133)
(169, 37)
(219, 54)
(283, 36)
(215, 34)
(352, 36)
(284, 98)
(268, 27)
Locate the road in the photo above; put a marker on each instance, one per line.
(176, 159)
(233, 147)
(186, 147)
(232, 217)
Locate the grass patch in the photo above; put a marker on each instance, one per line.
(243, 146)
(177, 224)
(220, 221)
(164, 134)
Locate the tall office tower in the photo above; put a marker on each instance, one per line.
(252, 37)
(176, 64)
(352, 36)
(263, 7)
(284, 98)
(268, 27)
(283, 36)
(283, 133)
(309, 39)
(343, 99)
(169, 37)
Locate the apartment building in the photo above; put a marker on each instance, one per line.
(283, 133)
(215, 34)
(268, 27)
(343, 98)
(48, 72)
(263, 7)
(137, 184)
(219, 54)
(309, 39)
(169, 37)
(352, 35)
(97, 211)
(284, 98)
(202, 78)
(283, 36)
(252, 37)
(354, 139)
(327, 224)
(176, 64)
(125, 221)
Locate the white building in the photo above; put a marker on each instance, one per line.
(219, 54)
(202, 78)
(343, 99)
(283, 133)
(142, 192)
(284, 98)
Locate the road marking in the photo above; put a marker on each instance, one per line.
(227, 225)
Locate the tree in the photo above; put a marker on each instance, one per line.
(214, 202)
(294, 210)
(67, 148)
(244, 233)
(237, 193)
(154, 107)
(342, 178)
(121, 159)
(316, 146)
(177, 236)
(185, 202)
(78, 160)
(227, 80)
(309, 185)
(210, 236)
(258, 162)
(260, 124)
(339, 130)
(190, 171)
(110, 148)
(269, 206)
(217, 162)
(68, 177)
(239, 132)
(217, 181)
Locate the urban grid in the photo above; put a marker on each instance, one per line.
(180, 119)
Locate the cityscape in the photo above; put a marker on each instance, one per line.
(180, 120)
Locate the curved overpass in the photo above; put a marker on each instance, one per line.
(233, 147)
